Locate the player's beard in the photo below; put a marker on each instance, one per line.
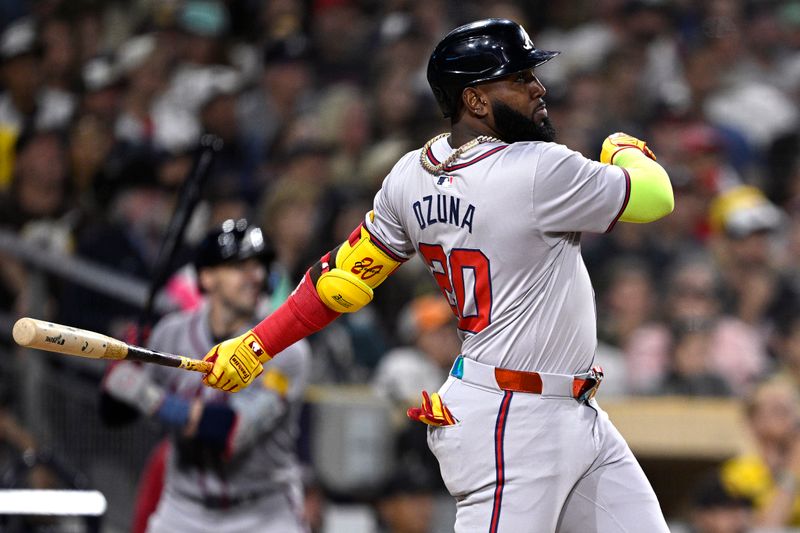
(513, 126)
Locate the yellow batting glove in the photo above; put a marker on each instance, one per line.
(237, 362)
(432, 412)
(616, 142)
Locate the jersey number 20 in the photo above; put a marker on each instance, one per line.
(449, 271)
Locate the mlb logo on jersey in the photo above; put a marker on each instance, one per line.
(445, 181)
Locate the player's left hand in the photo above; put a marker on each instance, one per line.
(616, 142)
(432, 412)
(236, 362)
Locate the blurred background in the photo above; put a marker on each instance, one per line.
(103, 104)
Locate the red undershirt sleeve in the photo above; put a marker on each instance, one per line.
(302, 314)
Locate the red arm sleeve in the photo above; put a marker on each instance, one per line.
(302, 314)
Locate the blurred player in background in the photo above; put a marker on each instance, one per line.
(232, 465)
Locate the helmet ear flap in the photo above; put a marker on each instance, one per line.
(447, 107)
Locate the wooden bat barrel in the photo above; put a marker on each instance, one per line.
(51, 337)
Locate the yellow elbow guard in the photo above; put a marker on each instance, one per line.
(342, 291)
(360, 265)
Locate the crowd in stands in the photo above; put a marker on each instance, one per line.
(102, 104)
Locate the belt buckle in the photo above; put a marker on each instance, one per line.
(592, 380)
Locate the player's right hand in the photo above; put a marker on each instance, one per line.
(433, 411)
(616, 142)
(237, 362)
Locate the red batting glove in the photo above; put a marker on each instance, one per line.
(433, 411)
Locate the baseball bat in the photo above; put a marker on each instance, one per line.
(58, 338)
(188, 198)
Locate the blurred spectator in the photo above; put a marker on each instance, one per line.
(785, 343)
(204, 66)
(90, 146)
(143, 68)
(37, 206)
(102, 88)
(790, 261)
(237, 162)
(734, 92)
(715, 510)
(629, 301)
(40, 187)
(204, 23)
(744, 224)
(343, 121)
(281, 18)
(26, 101)
(284, 89)
(766, 51)
(129, 242)
(707, 153)
(379, 160)
(428, 331)
(304, 159)
(339, 33)
(60, 54)
(406, 504)
(690, 372)
(584, 41)
(396, 104)
(288, 214)
(736, 351)
(768, 476)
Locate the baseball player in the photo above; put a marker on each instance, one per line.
(496, 209)
(232, 466)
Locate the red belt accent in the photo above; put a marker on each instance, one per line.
(518, 380)
(521, 381)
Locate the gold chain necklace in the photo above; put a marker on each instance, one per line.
(437, 169)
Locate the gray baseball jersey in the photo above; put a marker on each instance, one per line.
(500, 231)
(263, 461)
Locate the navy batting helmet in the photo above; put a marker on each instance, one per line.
(479, 52)
(235, 240)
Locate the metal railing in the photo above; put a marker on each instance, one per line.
(60, 408)
(80, 271)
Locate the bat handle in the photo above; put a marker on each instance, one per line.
(137, 353)
(196, 365)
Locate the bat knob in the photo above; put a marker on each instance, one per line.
(24, 331)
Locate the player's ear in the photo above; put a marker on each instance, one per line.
(475, 101)
(206, 279)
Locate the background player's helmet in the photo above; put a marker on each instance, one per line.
(235, 240)
(479, 52)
